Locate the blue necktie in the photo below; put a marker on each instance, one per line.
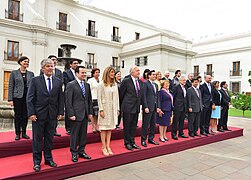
(83, 88)
(49, 85)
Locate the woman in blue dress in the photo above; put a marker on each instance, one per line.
(166, 106)
(216, 107)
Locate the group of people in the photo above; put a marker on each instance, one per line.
(106, 101)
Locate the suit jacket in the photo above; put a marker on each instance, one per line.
(225, 98)
(150, 97)
(76, 103)
(16, 84)
(68, 77)
(42, 103)
(216, 97)
(179, 101)
(57, 72)
(188, 84)
(206, 95)
(130, 101)
(193, 101)
(166, 103)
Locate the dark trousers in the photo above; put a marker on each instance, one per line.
(21, 119)
(193, 122)
(205, 119)
(67, 121)
(149, 122)
(178, 122)
(78, 136)
(42, 130)
(119, 118)
(130, 122)
(222, 124)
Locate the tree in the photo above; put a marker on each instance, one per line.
(249, 74)
(242, 102)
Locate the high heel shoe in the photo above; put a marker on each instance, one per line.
(166, 139)
(105, 152)
(162, 140)
(109, 151)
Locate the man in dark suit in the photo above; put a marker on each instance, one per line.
(58, 73)
(45, 105)
(166, 77)
(78, 100)
(150, 107)
(69, 76)
(130, 99)
(179, 111)
(188, 82)
(222, 124)
(194, 104)
(206, 95)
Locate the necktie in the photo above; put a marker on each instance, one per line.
(49, 85)
(154, 87)
(209, 87)
(83, 88)
(137, 86)
(184, 90)
(197, 92)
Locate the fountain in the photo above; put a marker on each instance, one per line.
(65, 60)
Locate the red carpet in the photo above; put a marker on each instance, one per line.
(21, 166)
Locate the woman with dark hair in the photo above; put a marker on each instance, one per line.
(18, 87)
(118, 81)
(144, 77)
(94, 82)
(216, 107)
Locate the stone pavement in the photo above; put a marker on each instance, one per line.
(230, 159)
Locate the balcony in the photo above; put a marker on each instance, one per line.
(63, 27)
(14, 16)
(115, 38)
(211, 73)
(90, 65)
(91, 33)
(11, 58)
(236, 73)
(116, 68)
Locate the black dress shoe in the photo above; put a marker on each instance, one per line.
(220, 130)
(51, 163)
(56, 134)
(175, 137)
(135, 146)
(74, 158)
(84, 155)
(68, 132)
(162, 140)
(36, 167)
(153, 142)
(226, 129)
(17, 137)
(129, 147)
(166, 139)
(183, 136)
(203, 133)
(143, 143)
(25, 136)
(191, 134)
(196, 134)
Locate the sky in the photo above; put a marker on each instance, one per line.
(194, 19)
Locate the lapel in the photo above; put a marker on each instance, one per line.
(151, 85)
(181, 90)
(53, 84)
(207, 88)
(132, 84)
(44, 84)
(79, 88)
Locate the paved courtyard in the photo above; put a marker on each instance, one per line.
(230, 159)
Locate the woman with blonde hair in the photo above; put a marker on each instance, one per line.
(158, 79)
(108, 102)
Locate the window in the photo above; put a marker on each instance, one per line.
(62, 24)
(115, 63)
(196, 71)
(6, 84)
(141, 61)
(235, 87)
(115, 34)
(236, 69)
(209, 70)
(13, 11)
(60, 52)
(137, 36)
(91, 29)
(90, 61)
(123, 64)
(12, 50)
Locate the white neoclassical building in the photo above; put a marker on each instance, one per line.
(37, 28)
(227, 58)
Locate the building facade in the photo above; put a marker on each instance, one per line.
(226, 59)
(37, 29)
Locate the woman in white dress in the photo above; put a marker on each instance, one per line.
(108, 102)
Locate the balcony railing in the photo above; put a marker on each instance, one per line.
(13, 16)
(63, 27)
(91, 33)
(116, 38)
(11, 58)
(90, 65)
(211, 73)
(236, 73)
(116, 68)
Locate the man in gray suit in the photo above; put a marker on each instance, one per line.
(78, 100)
(194, 102)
